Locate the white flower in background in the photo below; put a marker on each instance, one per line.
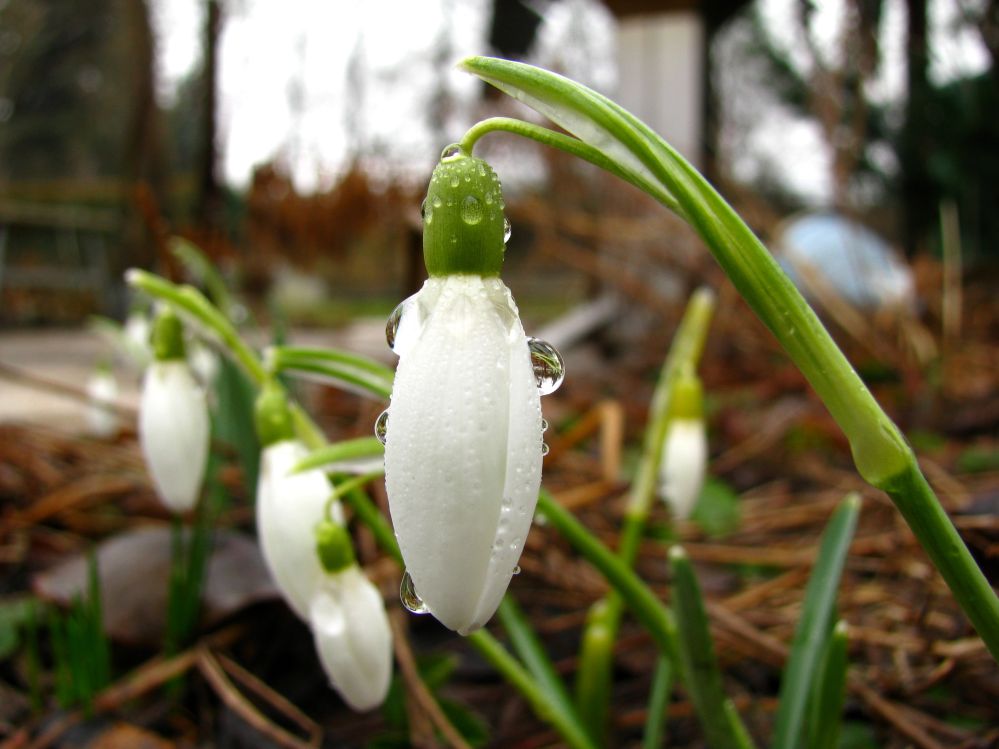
(173, 420)
(137, 332)
(463, 439)
(102, 390)
(204, 363)
(685, 448)
(289, 505)
(352, 633)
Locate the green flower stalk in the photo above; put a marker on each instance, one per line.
(608, 133)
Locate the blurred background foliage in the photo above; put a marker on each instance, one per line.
(92, 157)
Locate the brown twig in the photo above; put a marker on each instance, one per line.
(417, 689)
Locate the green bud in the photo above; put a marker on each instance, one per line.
(334, 547)
(463, 222)
(272, 416)
(168, 337)
(687, 400)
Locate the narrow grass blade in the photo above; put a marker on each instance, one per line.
(532, 654)
(702, 677)
(828, 692)
(811, 634)
(655, 721)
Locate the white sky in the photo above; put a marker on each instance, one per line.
(284, 75)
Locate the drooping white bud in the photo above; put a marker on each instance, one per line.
(353, 637)
(289, 508)
(463, 446)
(684, 464)
(174, 432)
(102, 390)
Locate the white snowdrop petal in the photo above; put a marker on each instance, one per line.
(684, 465)
(353, 637)
(102, 390)
(523, 467)
(174, 430)
(289, 506)
(447, 455)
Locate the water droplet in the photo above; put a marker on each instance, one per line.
(544, 449)
(549, 369)
(516, 570)
(544, 425)
(454, 180)
(392, 324)
(471, 210)
(507, 229)
(452, 151)
(410, 598)
(426, 211)
(381, 426)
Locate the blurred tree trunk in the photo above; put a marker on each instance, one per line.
(208, 199)
(142, 165)
(917, 187)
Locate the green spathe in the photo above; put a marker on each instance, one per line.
(168, 337)
(334, 547)
(272, 415)
(463, 222)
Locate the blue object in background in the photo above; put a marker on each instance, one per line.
(848, 258)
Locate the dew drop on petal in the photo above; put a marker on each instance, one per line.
(451, 151)
(507, 230)
(381, 426)
(409, 597)
(549, 369)
(544, 425)
(471, 210)
(427, 212)
(544, 449)
(392, 324)
(516, 570)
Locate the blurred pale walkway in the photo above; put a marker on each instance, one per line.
(67, 357)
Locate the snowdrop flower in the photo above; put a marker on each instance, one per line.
(137, 330)
(463, 437)
(204, 363)
(173, 420)
(289, 505)
(685, 448)
(102, 390)
(349, 624)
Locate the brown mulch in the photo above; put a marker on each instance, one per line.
(918, 674)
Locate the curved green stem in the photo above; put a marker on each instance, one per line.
(603, 622)
(190, 302)
(879, 451)
(568, 144)
(546, 709)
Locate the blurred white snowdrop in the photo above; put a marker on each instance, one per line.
(463, 434)
(204, 363)
(309, 554)
(685, 450)
(349, 623)
(289, 505)
(137, 332)
(174, 426)
(102, 392)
